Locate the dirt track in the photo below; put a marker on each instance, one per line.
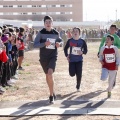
(32, 84)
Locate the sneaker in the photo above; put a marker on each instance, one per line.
(51, 98)
(78, 90)
(109, 94)
(15, 77)
(20, 68)
(54, 96)
(11, 81)
(2, 90)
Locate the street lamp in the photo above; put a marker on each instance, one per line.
(116, 14)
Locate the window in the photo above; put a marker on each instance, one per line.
(43, 13)
(19, 5)
(43, 6)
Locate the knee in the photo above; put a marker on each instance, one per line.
(50, 72)
(72, 74)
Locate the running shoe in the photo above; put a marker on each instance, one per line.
(51, 99)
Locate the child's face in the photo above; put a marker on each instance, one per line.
(75, 33)
(109, 41)
(112, 30)
(48, 24)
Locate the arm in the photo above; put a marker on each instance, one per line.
(66, 48)
(37, 43)
(60, 41)
(101, 55)
(85, 50)
(117, 56)
(118, 42)
(102, 43)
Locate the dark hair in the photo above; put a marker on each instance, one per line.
(21, 29)
(17, 30)
(111, 37)
(77, 28)
(11, 29)
(9, 33)
(48, 17)
(113, 25)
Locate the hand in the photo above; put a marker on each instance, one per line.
(80, 52)
(57, 44)
(47, 43)
(102, 62)
(68, 58)
(116, 67)
(11, 63)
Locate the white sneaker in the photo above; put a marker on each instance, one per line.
(2, 90)
(11, 81)
(15, 77)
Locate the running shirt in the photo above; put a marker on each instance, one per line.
(110, 57)
(43, 36)
(76, 46)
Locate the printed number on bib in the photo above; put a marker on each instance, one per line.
(52, 43)
(110, 58)
(76, 50)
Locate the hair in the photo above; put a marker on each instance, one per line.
(77, 28)
(21, 29)
(113, 25)
(111, 37)
(17, 30)
(48, 18)
(9, 33)
(11, 29)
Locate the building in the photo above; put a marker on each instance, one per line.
(60, 10)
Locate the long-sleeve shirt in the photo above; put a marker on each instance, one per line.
(116, 41)
(42, 37)
(110, 56)
(75, 47)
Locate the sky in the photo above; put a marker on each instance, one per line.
(101, 10)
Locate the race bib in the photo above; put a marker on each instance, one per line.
(52, 43)
(76, 50)
(110, 58)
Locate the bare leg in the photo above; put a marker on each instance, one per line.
(50, 81)
(20, 59)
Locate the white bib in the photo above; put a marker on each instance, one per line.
(110, 58)
(76, 50)
(52, 45)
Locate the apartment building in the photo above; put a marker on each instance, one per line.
(60, 10)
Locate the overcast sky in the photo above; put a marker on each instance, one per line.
(102, 10)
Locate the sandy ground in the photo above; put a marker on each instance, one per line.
(32, 85)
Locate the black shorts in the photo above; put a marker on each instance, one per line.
(48, 63)
(20, 53)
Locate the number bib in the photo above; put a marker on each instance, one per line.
(76, 50)
(52, 43)
(110, 58)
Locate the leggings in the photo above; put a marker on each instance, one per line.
(75, 68)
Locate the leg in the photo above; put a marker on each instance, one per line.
(72, 69)
(20, 58)
(78, 73)
(50, 81)
(112, 76)
(115, 81)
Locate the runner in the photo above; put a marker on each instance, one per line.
(78, 47)
(48, 41)
(116, 42)
(110, 60)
